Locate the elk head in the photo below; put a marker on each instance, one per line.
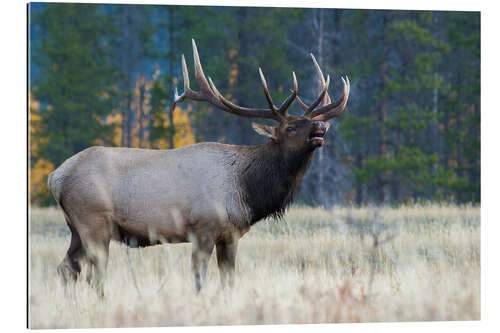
(295, 134)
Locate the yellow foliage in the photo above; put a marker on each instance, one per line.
(184, 133)
(38, 178)
(115, 118)
(34, 104)
(232, 53)
(34, 124)
(38, 171)
(233, 75)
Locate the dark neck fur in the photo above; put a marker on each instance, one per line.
(270, 179)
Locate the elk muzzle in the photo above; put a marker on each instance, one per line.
(318, 131)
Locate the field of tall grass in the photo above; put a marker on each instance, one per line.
(419, 263)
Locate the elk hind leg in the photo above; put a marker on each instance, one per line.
(96, 241)
(70, 267)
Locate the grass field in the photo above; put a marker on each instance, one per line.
(314, 266)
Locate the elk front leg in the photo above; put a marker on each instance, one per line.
(201, 252)
(226, 259)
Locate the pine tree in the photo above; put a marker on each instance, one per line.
(75, 76)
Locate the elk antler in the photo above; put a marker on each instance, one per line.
(209, 93)
(328, 109)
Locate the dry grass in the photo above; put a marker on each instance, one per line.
(311, 267)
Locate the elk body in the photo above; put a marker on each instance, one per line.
(208, 194)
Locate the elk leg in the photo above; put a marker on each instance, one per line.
(201, 252)
(226, 259)
(98, 260)
(70, 267)
(96, 244)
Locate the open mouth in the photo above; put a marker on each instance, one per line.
(317, 135)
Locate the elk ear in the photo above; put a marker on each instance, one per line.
(265, 130)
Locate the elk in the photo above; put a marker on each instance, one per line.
(208, 194)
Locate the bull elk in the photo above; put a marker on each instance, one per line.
(208, 194)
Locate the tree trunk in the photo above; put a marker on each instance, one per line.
(436, 139)
(383, 176)
(458, 124)
(171, 132)
(141, 116)
(435, 126)
(123, 138)
(475, 170)
(129, 120)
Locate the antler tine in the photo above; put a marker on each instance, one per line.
(328, 109)
(301, 103)
(185, 76)
(266, 91)
(334, 109)
(198, 72)
(214, 88)
(321, 78)
(323, 98)
(318, 100)
(272, 107)
(283, 109)
(295, 84)
(205, 94)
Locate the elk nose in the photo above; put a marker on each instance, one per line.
(319, 124)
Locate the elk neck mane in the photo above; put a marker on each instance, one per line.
(270, 179)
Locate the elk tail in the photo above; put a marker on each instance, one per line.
(54, 185)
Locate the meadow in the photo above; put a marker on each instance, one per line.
(412, 263)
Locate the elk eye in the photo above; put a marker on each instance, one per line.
(290, 129)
